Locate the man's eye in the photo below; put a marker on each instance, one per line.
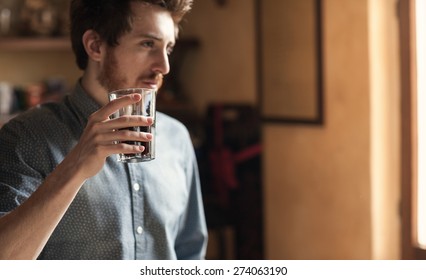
(148, 44)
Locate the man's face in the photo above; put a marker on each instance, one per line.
(141, 58)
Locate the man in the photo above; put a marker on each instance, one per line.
(63, 195)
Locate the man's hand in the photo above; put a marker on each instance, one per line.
(98, 139)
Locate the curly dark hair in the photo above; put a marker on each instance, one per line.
(97, 14)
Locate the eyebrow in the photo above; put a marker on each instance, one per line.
(150, 36)
(154, 37)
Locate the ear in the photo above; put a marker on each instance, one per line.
(92, 43)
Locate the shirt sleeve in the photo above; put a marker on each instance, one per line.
(18, 178)
(191, 242)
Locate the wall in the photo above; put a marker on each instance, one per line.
(318, 204)
(331, 192)
(223, 69)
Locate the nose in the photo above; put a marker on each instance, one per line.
(161, 64)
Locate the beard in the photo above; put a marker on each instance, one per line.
(111, 78)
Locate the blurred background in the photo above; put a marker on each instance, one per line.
(302, 114)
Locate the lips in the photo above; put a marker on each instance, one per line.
(151, 84)
(154, 83)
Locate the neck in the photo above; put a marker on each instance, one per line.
(92, 87)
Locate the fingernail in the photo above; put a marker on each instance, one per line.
(150, 120)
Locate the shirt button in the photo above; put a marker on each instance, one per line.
(136, 187)
(139, 230)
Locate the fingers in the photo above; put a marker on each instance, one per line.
(104, 136)
(100, 121)
(124, 135)
(113, 106)
(129, 121)
(123, 148)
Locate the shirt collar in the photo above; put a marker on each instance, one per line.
(81, 102)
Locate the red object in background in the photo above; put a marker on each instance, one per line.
(232, 176)
(223, 161)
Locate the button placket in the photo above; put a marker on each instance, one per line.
(136, 185)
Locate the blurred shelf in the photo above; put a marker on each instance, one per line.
(35, 44)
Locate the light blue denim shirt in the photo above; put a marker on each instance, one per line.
(149, 210)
